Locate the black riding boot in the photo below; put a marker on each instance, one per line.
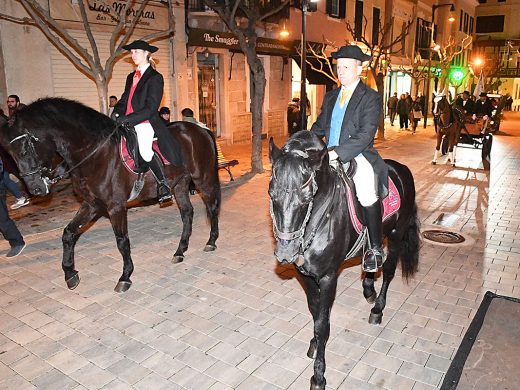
(373, 257)
(163, 190)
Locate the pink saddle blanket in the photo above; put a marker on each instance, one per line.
(128, 161)
(391, 205)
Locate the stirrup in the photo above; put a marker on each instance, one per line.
(164, 193)
(372, 259)
(138, 186)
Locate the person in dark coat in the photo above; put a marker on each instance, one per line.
(465, 103)
(403, 110)
(348, 120)
(294, 120)
(392, 107)
(7, 226)
(483, 106)
(138, 107)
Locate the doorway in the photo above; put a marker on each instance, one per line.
(208, 90)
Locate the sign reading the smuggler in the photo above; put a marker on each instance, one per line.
(226, 40)
(152, 16)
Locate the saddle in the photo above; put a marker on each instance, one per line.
(391, 203)
(129, 151)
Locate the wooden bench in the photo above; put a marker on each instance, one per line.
(224, 163)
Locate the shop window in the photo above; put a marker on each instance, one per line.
(471, 20)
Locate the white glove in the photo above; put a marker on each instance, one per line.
(474, 117)
(333, 155)
(485, 117)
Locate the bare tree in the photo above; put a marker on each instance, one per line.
(381, 50)
(87, 59)
(417, 72)
(242, 18)
(447, 53)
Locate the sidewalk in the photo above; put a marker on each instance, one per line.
(234, 318)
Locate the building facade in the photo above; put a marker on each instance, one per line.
(203, 66)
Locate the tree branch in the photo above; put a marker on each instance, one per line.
(9, 18)
(90, 36)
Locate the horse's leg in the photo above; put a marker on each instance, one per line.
(312, 292)
(389, 266)
(437, 147)
(182, 197)
(327, 286)
(70, 236)
(211, 196)
(369, 292)
(119, 220)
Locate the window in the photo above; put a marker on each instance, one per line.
(466, 22)
(471, 20)
(490, 24)
(336, 8)
(358, 20)
(376, 18)
(482, 1)
(461, 19)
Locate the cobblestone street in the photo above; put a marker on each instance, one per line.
(234, 318)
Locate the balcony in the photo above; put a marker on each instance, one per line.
(200, 6)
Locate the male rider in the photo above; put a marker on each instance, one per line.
(348, 120)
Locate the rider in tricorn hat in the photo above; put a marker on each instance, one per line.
(348, 120)
(138, 108)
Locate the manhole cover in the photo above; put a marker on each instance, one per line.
(443, 236)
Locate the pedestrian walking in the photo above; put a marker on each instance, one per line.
(403, 111)
(416, 114)
(7, 225)
(392, 107)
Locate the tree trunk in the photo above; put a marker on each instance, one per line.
(257, 103)
(102, 90)
(380, 85)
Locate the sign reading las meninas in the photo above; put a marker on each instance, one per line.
(150, 17)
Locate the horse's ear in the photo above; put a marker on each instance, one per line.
(274, 151)
(316, 157)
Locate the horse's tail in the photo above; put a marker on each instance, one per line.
(410, 245)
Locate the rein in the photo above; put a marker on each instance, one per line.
(39, 169)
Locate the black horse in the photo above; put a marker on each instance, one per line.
(313, 230)
(88, 142)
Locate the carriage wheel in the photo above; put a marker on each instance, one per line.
(487, 142)
(444, 145)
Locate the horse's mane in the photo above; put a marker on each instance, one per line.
(298, 154)
(64, 113)
(302, 143)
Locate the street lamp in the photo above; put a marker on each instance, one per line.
(306, 5)
(431, 45)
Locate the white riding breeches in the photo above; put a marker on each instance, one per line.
(365, 181)
(145, 135)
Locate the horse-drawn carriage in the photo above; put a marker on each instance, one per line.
(476, 133)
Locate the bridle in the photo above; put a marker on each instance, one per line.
(311, 181)
(45, 172)
(439, 120)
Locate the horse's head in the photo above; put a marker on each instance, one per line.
(292, 188)
(30, 149)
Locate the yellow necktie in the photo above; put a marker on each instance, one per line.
(344, 97)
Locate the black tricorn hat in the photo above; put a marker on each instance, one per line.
(466, 93)
(351, 51)
(138, 44)
(483, 94)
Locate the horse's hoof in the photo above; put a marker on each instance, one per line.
(372, 298)
(177, 259)
(311, 352)
(209, 248)
(122, 286)
(73, 281)
(434, 162)
(375, 319)
(316, 386)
